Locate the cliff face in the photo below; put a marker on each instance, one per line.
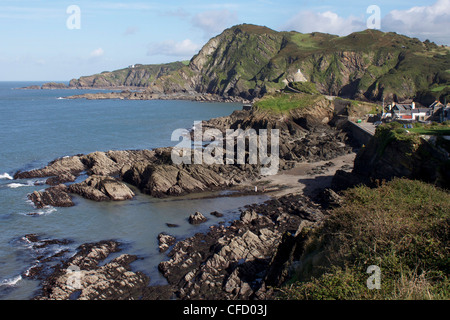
(393, 152)
(249, 61)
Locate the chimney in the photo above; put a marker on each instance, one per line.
(413, 105)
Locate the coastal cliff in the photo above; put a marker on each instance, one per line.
(396, 152)
(249, 61)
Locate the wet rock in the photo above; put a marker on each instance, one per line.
(57, 196)
(197, 218)
(65, 166)
(46, 253)
(217, 214)
(172, 225)
(82, 278)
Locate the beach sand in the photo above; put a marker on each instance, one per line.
(305, 178)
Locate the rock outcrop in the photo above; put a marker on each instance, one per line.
(197, 218)
(394, 152)
(233, 262)
(165, 241)
(305, 133)
(54, 196)
(100, 188)
(81, 277)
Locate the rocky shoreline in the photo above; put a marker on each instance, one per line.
(244, 260)
(240, 261)
(138, 93)
(150, 95)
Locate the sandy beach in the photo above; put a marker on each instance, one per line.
(305, 177)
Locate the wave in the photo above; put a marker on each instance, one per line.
(11, 282)
(18, 185)
(41, 212)
(29, 183)
(6, 176)
(60, 98)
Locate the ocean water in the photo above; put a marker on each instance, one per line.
(38, 126)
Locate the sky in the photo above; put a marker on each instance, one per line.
(58, 40)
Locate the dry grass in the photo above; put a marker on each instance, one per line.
(401, 226)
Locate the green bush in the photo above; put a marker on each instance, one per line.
(401, 226)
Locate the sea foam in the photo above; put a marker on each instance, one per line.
(11, 282)
(29, 183)
(18, 185)
(6, 176)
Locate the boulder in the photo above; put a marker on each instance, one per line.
(217, 214)
(101, 188)
(197, 218)
(54, 196)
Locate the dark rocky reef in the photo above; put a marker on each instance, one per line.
(243, 260)
(81, 277)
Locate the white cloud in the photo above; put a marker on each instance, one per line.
(97, 53)
(327, 22)
(185, 48)
(432, 22)
(214, 21)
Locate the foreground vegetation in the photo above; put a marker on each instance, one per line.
(401, 227)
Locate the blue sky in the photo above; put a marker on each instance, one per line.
(36, 43)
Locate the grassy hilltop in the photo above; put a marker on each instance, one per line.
(250, 61)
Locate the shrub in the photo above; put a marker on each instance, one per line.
(402, 227)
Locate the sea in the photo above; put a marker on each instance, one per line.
(38, 126)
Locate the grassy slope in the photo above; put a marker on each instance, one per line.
(401, 227)
(141, 75)
(282, 102)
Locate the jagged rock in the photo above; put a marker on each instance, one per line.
(54, 196)
(165, 241)
(65, 166)
(101, 188)
(61, 178)
(232, 262)
(197, 218)
(248, 216)
(329, 199)
(81, 278)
